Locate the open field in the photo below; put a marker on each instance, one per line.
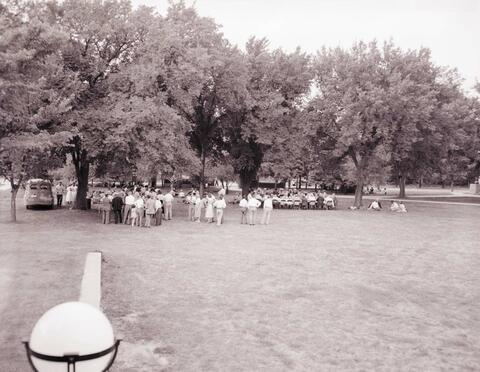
(315, 290)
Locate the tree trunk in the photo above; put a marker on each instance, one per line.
(420, 182)
(246, 179)
(13, 202)
(360, 165)
(153, 181)
(451, 186)
(81, 201)
(202, 173)
(358, 194)
(226, 188)
(401, 183)
(289, 183)
(275, 185)
(82, 168)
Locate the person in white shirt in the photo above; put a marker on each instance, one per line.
(199, 204)
(220, 206)
(129, 201)
(168, 200)
(402, 208)
(267, 209)
(243, 208)
(394, 206)
(140, 208)
(329, 202)
(253, 204)
(221, 192)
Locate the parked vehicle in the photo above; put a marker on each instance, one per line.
(38, 192)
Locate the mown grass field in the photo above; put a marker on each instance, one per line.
(313, 291)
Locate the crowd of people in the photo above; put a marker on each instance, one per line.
(395, 206)
(140, 206)
(286, 199)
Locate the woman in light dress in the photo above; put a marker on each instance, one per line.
(198, 208)
(69, 197)
(209, 201)
(74, 194)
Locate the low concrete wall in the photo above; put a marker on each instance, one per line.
(91, 290)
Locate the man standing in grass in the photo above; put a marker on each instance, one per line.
(267, 209)
(117, 205)
(59, 190)
(220, 205)
(253, 204)
(243, 209)
(129, 202)
(168, 201)
(149, 210)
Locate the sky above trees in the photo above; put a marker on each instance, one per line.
(448, 28)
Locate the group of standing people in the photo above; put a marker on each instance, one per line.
(249, 206)
(70, 196)
(136, 207)
(214, 207)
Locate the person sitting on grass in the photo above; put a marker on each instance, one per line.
(320, 201)
(375, 206)
(402, 208)
(394, 207)
(329, 202)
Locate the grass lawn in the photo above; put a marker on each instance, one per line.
(314, 291)
(455, 199)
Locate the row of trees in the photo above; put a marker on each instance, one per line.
(129, 93)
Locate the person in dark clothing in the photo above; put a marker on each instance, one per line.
(320, 200)
(117, 205)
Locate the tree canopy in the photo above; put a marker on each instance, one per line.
(130, 93)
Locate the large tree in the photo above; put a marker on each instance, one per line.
(352, 108)
(34, 90)
(277, 83)
(201, 75)
(102, 39)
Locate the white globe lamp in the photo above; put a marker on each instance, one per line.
(73, 336)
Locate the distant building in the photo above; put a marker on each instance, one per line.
(269, 183)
